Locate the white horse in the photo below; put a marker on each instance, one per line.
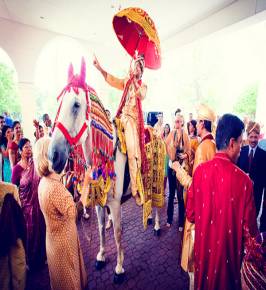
(72, 126)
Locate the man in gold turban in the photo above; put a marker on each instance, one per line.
(205, 151)
(252, 160)
(253, 127)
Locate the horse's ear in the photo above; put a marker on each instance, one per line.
(70, 72)
(83, 72)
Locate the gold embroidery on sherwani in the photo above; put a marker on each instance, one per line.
(154, 177)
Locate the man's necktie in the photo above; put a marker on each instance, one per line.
(250, 159)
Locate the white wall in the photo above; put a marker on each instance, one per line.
(24, 44)
(233, 13)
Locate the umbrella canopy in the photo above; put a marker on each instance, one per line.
(136, 32)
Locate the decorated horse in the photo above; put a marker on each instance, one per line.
(82, 119)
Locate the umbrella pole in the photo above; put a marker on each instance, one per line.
(130, 66)
(140, 35)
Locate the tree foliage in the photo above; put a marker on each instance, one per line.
(246, 103)
(9, 100)
(45, 103)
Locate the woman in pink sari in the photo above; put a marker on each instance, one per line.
(27, 180)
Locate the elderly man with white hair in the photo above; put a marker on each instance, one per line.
(205, 151)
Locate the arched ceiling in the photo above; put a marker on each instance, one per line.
(91, 20)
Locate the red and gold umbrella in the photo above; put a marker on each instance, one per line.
(136, 32)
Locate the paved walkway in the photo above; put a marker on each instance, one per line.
(150, 262)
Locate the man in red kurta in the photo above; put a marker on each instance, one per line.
(220, 203)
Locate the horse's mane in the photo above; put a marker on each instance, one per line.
(102, 132)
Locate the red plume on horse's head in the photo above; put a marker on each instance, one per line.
(78, 81)
(70, 73)
(82, 76)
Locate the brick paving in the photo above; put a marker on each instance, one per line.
(150, 262)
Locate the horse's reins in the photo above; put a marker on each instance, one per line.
(72, 140)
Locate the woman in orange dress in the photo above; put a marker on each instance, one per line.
(64, 256)
(194, 141)
(178, 149)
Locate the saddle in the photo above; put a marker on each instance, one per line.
(150, 183)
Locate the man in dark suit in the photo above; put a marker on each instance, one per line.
(252, 160)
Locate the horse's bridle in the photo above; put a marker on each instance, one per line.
(73, 140)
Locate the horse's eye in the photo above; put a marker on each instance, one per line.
(76, 105)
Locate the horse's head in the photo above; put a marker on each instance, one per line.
(72, 120)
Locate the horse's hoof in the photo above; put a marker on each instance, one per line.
(99, 265)
(149, 221)
(119, 278)
(157, 233)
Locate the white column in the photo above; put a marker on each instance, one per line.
(261, 105)
(28, 108)
(261, 97)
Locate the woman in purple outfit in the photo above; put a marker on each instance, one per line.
(27, 180)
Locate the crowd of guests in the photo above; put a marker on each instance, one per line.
(217, 176)
(22, 224)
(37, 213)
(11, 133)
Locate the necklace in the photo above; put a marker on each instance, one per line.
(25, 164)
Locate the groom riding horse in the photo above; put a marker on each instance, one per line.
(130, 116)
(82, 119)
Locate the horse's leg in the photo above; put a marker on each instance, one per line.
(149, 221)
(109, 219)
(115, 208)
(157, 229)
(100, 259)
(85, 214)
